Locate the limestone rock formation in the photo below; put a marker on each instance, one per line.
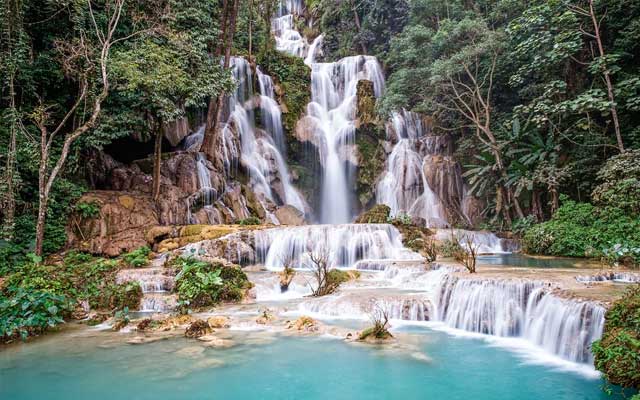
(119, 225)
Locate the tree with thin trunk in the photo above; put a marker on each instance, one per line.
(463, 82)
(14, 52)
(81, 59)
(214, 113)
(601, 61)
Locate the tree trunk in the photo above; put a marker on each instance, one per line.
(214, 111)
(356, 18)
(43, 194)
(607, 77)
(157, 162)
(9, 203)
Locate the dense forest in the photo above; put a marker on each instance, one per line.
(540, 100)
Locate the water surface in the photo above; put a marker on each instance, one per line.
(267, 367)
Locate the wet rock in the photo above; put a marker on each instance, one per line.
(213, 341)
(197, 329)
(218, 322)
(176, 130)
(146, 339)
(304, 324)
(265, 317)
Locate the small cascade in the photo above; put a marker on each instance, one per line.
(204, 181)
(404, 185)
(361, 306)
(610, 276)
(156, 283)
(486, 242)
(193, 142)
(270, 110)
(344, 245)
(525, 309)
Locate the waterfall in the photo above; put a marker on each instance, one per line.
(156, 283)
(344, 245)
(486, 242)
(525, 309)
(404, 186)
(259, 151)
(610, 276)
(270, 110)
(332, 108)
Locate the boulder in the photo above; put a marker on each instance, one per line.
(176, 130)
(289, 215)
(119, 226)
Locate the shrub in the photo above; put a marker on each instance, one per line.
(583, 230)
(617, 354)
(137, 258)
(450, 247)
(250, 221)
(620, 183)
(378, 214)
(204, 284)
(115, 296)
(26, 312)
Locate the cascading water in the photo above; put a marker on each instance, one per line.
(486, 242)
(332, 110)
(344, 245)
(524, 309)
(404, 186)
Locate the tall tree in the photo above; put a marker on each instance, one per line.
(13, 51)
(214, 112)
(82, 57)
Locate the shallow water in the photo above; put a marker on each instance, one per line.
(521, 260)
(264, 366)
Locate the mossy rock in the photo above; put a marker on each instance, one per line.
(378, 214)
(371, 160)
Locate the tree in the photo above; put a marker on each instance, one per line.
(214, 112)
(82, 58)
(167, 74)
(602, 62)
(13, 51)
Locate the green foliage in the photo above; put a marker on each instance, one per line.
(88, 210)
(78, 277)
(583, 230)
(138, 257)
(400, 219)
(294, 78)
(336, 277)
(378, 214)
(25, 312)
(202, 284)
(450, 247)
(620, 183)
(617, 354)
(249, 221)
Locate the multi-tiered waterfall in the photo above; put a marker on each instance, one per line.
(259, 151)
(332, 113)
(420, 180)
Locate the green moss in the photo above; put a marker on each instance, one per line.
(378, 214)
(294, 78)
(371, 160)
